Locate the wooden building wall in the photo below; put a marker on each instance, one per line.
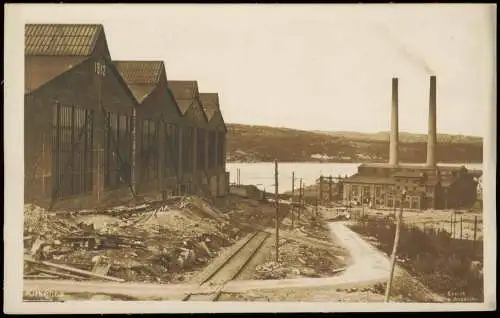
(64, 123)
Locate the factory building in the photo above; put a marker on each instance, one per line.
(194, 177)
(77, 122)
(427, 186)
(217, 131)
(98, 131)
(158, 121)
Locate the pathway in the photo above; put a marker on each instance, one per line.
(368, 266)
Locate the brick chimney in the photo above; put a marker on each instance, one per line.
(432, 133)
(394, 138)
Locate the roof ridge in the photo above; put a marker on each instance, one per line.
(141, 72)
(66, 24)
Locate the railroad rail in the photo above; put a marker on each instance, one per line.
(230, 268)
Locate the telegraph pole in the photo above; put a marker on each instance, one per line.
(395, 248)
(321, 187)
(276, 199)
(362, 203)
(330, 181)
(317, 198)
(300, 203)
(293, 196)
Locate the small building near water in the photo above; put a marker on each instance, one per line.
(440, 187)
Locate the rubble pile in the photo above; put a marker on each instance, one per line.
(299, 260)
(244, 211)
(151, 242)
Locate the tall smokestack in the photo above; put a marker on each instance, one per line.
(432, 134)
(394, 147)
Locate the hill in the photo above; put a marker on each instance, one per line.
(403, 137)
(263, 143)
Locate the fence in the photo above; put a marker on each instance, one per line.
(450, 232)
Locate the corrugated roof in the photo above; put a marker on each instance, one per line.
(61, 39)
(183, 89)
(141, 91)
(140, 72)
(368, 179)
(210, 103)
(184, 105)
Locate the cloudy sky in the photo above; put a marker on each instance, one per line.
(326, 67)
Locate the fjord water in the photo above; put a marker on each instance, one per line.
(261, 174)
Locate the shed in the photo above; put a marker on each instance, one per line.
(158, 121)
(194, 153)
(217, 132)
(77, 117)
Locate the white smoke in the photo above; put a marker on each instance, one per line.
(404, 49)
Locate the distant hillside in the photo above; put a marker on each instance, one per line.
(262, 143)
(403, 137)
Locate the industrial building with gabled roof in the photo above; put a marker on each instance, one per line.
(78, 113)
(158, 121)
(197, 169)
(217, 134)
(98, 130)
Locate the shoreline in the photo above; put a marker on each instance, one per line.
(349, 162)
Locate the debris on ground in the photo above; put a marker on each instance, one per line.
(155, 241)
(299, 260)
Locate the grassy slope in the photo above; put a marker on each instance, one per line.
(262, 143)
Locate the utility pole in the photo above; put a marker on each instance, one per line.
(317, 197)
(321, 187)
(293, 196)
(362, 203)
(395, 248)
(276, 199)
(330, 189)
(300, 203)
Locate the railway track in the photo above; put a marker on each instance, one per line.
(230, 268)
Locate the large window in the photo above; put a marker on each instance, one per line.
(201, 140)
(117, 150)
(171, 148)
(72, 143)
(354, 191)
(187, 149)
(149, 149)
(211, 149)
(366, 193)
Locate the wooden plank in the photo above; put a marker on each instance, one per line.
(65, 275)
(73, 270)
(39, 277)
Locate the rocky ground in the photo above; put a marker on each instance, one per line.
(162, 242)
(298, 259)
(169, 242)
(153, 242)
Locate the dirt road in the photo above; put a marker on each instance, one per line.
(368, 266)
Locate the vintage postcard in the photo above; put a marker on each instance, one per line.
(249, 158)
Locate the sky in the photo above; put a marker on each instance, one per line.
(313, 67)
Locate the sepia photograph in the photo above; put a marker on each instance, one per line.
(249, 158)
